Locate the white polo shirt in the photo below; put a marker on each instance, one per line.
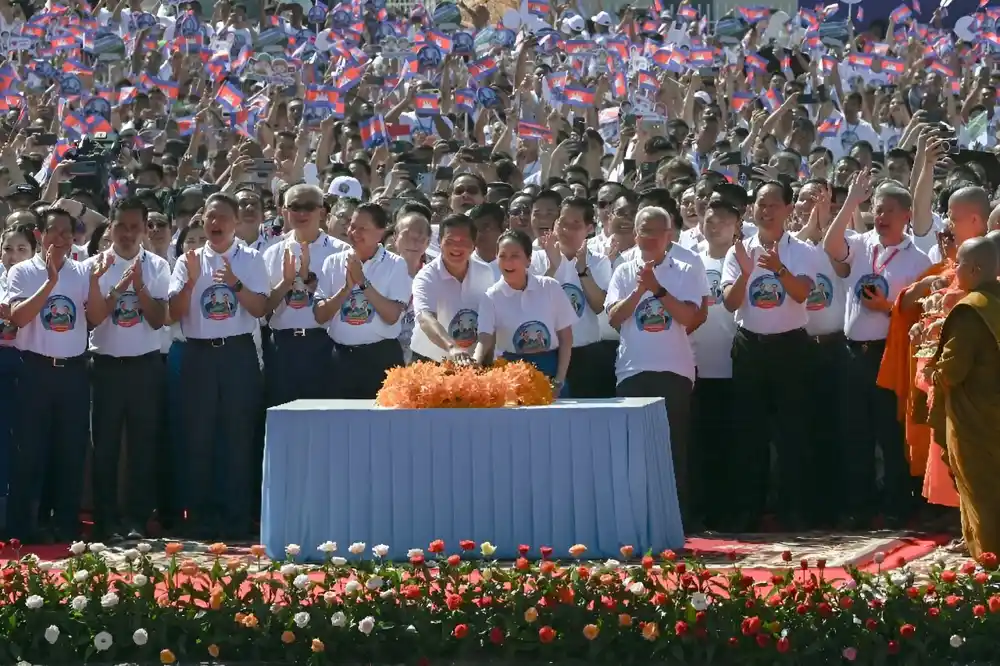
(827, 298)
(889, 269)
(125, 331)
(526, 322)
(454, 304)
(587, 329)
(357, 323)
(8, 332)
(60, 329)
(215, 312)
(296, 309)
(651, 341)
(713, 341)
(766, 308)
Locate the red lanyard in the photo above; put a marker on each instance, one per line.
(878, 270)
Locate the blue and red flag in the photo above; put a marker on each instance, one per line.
(229, 97)
(483, 68)
(373, 132)
(465, 100)
(772, 99)
(579, 96)
(526, 130)
(427, 104)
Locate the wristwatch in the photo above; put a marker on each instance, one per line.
(365, 284)
(660, 293)
(238, 287)
(584, 273)
(781, 272)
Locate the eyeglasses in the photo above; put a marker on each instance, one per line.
(465, 190)
(303, 206)
(158, 224)
(518, 212)
(248, 202)
(604, 204)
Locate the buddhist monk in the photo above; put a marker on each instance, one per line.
(968, 212)
(966, 375)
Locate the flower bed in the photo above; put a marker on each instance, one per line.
(444, 608)
(446, 385)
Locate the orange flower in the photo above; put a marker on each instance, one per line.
(590, 632)
(258, 551)
(651, 631)
(213, 651)
(189, 568)
(287, 637)
(317, 645)
(250, 621)
(167, 657)
(626, 552)
(218, 549)
(624, 620)
(435, 385)
(173, 548)
(215, 601)
(240, 617)
(233, 563)
(577, 550)
(530, 615)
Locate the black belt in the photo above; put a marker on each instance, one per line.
(221, 342)
(297, 332)
(368, 346)
(122, 360)
(865, 345)
(824, 338)
(770, 337)
(70, 362)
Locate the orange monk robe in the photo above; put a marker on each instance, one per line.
(897, 373)
(967, 378)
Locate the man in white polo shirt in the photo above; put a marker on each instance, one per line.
(128, 373)
(652, 300)
(876, 266)
(766, 281)
(52, 299)
(446, 295)
(217, 293)
(360, 299)
(298, 356)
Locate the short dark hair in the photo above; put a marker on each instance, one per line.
(657, 196)
(129, 203)
(379, 217)
(581, 204)
(224, 198)
(551, 195)
(49, 213)
(787, 194)
(475, 176)
(487, 210)
(457, 221)
(518, 237)
(411, 207)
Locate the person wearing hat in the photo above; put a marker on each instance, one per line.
(347, 187)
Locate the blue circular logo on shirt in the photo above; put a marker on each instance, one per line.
(299, 297)
(356, 310)
(531, 337)
(464, 328)
(651, 317)
(714, 286)
(766, 292)
(219, 303)
(879, 283)
(462, 43)
(821, 294)
(576, 298)
(58, 314)
(127, 312)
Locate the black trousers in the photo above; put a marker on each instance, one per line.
(676, 393)
(592, 370)
(51, 436)
(360, 369)
(823, 446)
(128, 393)
(714, 441)
(872, 425)
(221, 396)
(298, 365)
(769, 376)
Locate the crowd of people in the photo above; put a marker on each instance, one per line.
(209, 215)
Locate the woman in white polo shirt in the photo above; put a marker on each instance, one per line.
(875, 266)
(525, 317)
(360, 299)
(584, 276)
(218, 292)
(447, 293)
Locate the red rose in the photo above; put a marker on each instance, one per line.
(497, 636)
(900, 562)
(465, 544)
(801, 609)
(824, 609)
(968, 567)
(547, 567)
(647, 562)
(784, 645)
(411, 592)
(871, 624)
(547, 634)
(752, 625)
(731, 555)
(907, 631)
(933, 611)
(437, 546)
(733, 642)
(912, 592)
(15, 544)
(804, 564)
(522, 564)
(454, 560)
(583, 572)
(821, 564)
(777, 580)
(699, 617)
(681, 628)
(948, 576)
(460, 631)
(893, 647)
(846, 603)
(668, 555)
(523, 550)
(417, 560)
(952, 600)
(786, 556)
(659, 599)
(994, 603)
(931, 589)
(566, 595)
(746, 581)
(982, 577)
(453, 601)
(979, 610)
(705, 575)
(681, 567)
(546, 552)
(763, 640)
(988, 560)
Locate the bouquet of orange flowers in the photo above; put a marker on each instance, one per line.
(926, 333)
(437, 385)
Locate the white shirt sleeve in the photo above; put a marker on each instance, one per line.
(487, 315)
(400, 284)
(423, 287)
(730, 267)
(179, 277)
(616, 287)
(256, 276)
(564, 316)
(158, 284)
(600, 270)
(16, 287)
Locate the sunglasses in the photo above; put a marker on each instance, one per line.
(303, 206)
(465, 190)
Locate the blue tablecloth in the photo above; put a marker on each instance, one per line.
(596, 472)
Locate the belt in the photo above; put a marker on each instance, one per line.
(865, 345)
(770, 337)
(297, 332)
(107, 358)
(70, 362)
(347, 349)
(221, 342)
(824, 338)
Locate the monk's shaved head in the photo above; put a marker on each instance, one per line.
(976, 198)
(978, 262)
(969, 212)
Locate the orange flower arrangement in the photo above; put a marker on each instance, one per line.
(446, 385)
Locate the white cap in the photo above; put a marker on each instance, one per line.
(603, 18)
(346, 186)
(574, 24)
(703, 96)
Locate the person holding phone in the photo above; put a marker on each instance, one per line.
(875, 267)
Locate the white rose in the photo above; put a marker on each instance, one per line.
(289, 569)
(338, 619)
(23, 663)
(352, 586)
(275, 609)
(109, 600)
(144, 548)
(387, 594)
(956, 641)
(44, 566)
(81, 576)
(374, 583)
(52, 634)
(103, 641)
(78, 548)
(140, 580)
(637, 589)
(380, 550)
(699, 601)
(338, 561)
(612, 564)
(301, 581)
(34, 602)
(366, 625)
(293, 549)
(487, 574)
(327, 547)
(140, 637)
(131, 555)
(357, 548)
(79, 602)
(301, 619)
(97, 548)
(414, 552)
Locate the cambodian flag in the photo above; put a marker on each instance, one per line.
(772, 99)
(526, 130)
(482, 68)
(349, 78)
(859, 60)
(427, 104)
(619, 86)
(741, 99)
(465, 100)
(701, 57)
(186, 125)
(894, 65)
(756, 61)
(578, 96)
(75, 125)
(97, 124)
(442, 40)
(829, 127)
(229, 97)
(861, 13)
(373, 132)
(648, 82)
(900, 14)
(74, 66)
(753, 14)
(688, 13)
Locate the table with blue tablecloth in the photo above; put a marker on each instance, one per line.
(596, 472)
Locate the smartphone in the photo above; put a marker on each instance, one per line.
(400, 146)
(84, 168)
(444, 173)
(647, 169)
(629, 167)
(33, 131)
(415, 170)
(454, 146)
(629, 121)
(376, 80)
(734, 158)
(46, 139)
(262, 167)
(807, 98)
(579, 126)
